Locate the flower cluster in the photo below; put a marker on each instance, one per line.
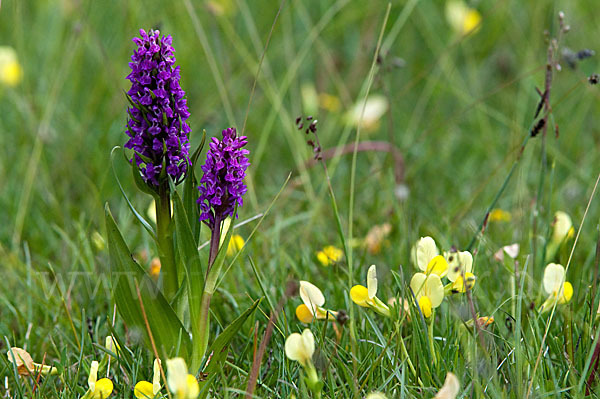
(427, 285)
(157, 117)
(222, 185)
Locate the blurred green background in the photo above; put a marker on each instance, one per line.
(458, 110)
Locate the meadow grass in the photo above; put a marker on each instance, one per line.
(461, 110)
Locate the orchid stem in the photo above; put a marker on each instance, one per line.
(166, 250)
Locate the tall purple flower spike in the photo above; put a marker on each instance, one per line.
(222, 186)
(156, 127)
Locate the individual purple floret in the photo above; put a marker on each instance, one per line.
(222, 185)
(156, 125)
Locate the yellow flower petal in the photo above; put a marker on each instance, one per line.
(459, 285)
(330, 255)
(360, 295)
(103, 389)
(304, 314)
(193, 388)
(567, 293)
(372, 281)
(437, 265)
(499, 215)
(11, 71)
(472, 21)
(425, 305)
(143, 390)
(235, 244)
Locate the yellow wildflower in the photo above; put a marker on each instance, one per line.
(559, 290)
(428, 291)
(182, 384)
(312, 308)
(562, 227)
(300, 348)
(97, 389)
(367, 296)
(145, 389)
(460, 264)
(499, 215)
(11, 71)
(462, 18)
(235, 244)
(330, 255)
(426, 257)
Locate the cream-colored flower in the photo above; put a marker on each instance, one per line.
(182, 384)
(559, 290)
(458, 263)
(25, 364)
(460, 266)
(562, 227)
(11, 71)
(376, 395)
(450, 389)
(367, 296)
(428, 291)
(462, 18)
(312, 308)
(375, 107)
(300, 347)
(426, 257)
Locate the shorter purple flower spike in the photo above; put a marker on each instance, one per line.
(222, 185)
(157, 127)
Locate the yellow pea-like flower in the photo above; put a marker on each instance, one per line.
(428, 291)
(97, 388)
(367, 296)
(426, 257)
(499, 215)
(329, 255)
(235, 244)
(180, 383)
(145, 389)
(300, 347)
(11, 72)
(558, 289)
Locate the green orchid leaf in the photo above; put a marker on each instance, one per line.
(217, 352)
(190, 258)
(128, 278)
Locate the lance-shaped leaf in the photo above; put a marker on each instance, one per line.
(218, 350)
(192, 265)
(127, 278)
